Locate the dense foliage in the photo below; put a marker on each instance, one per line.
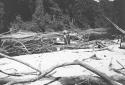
(56, 15)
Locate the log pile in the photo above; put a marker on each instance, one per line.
(28, 45)
(48, 43)
(41, 43)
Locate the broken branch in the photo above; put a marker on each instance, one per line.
(102, 75)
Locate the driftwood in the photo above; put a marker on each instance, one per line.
(38, 45)
(38, 77)
(104, 76)
(120, 64)
(41, 43)
(16, 47)
(22, 42)
(8, 57)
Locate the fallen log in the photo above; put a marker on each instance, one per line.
(102, 75)
(106, 78)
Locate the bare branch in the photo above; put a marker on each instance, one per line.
(9, 74)
(22, 45)
(102, 75)
(120, 64)
(6, 56)
(118, 71)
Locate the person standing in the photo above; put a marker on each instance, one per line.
(66, 37)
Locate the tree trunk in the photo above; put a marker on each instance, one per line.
(2, 13)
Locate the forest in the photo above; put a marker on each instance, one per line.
(62, 42)
(56, 15)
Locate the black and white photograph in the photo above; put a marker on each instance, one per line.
(62, 42)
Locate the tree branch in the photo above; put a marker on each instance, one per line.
(120, 64)
(9, 74)
(102, 75)
(8, 57)
(22, 45)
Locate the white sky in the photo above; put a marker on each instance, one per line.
(98, 0)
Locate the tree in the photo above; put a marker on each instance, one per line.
(119, 6)
(2, 17)
(84, 13)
